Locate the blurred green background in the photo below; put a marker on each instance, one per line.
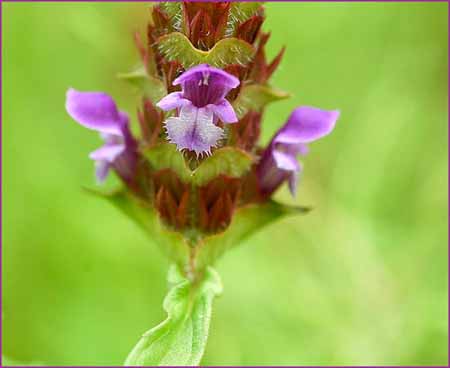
(360, 280)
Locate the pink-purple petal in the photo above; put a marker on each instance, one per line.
(172, 101)
(293, 180)
(101, 170)
(224, 111)
(108, 152)
(205, 85)
(215, 74)
(285, 161)
(94, 110)
(124, 121)
(194, 130)
(307, 124)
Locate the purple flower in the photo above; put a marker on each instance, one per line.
(279, 160)
(98, 111)
(200, 104)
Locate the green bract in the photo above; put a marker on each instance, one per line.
(172, 243)
(151, 87)
(173, 9)
(228, 161)
(203, 250)
(246, 221)
(177, 47)
(166, 156)
(255, 97)
(239, 13)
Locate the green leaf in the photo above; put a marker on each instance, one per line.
(246, 222)
(239, 13)
(166, 156)
(256, 97)
(181, 339)
(152, 88)
(172, 243)
(177, 47)
(227, 161)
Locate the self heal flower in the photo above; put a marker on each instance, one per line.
(279, 160)
(200, 104)
(98, 111)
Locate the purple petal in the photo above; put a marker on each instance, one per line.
(277, 166)
(172, 101)
(200, 71)
(124, 121)
(108, 152)
(270, 177)
(94, 110)
(204, 85)
(285, 161)
(306, 124)
(194, 130)
(293, 180)
(302, 149)
(102, 170)
(224, 111)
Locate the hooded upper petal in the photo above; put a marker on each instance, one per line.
(215, 75)
(94, 110)
(204, 85)
(306, 124)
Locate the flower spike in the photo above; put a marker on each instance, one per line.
(204, 66)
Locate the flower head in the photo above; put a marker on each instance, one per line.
(200, 103)
(98, 111)
(200, 195)
(279, 160)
